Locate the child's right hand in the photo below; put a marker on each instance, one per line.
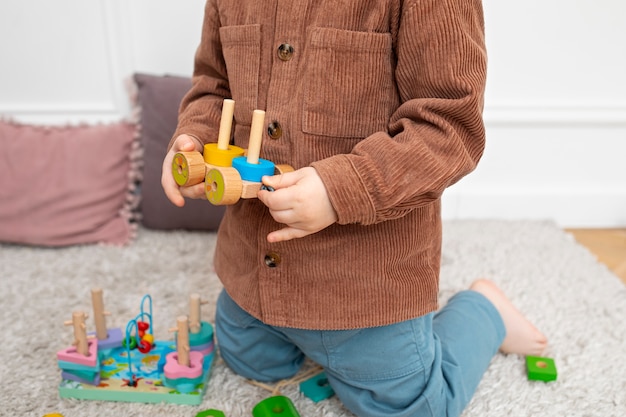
(176, 194)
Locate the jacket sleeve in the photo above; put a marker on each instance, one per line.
(201, 108)
(436, 136)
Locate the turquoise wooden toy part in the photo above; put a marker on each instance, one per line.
(540, 369)
(253, 172)
(278, 406)
(317, 388)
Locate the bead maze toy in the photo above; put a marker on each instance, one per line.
(228, 175)
(134, 367)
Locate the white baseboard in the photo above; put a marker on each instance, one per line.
(546, 112)
(74, 117)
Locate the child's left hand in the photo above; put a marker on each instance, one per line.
(299, 201)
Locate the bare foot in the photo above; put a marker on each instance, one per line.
(522, 337)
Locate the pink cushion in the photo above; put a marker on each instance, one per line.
(67, 185)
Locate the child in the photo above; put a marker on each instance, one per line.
(378, 106)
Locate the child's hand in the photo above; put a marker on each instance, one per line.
(176, 194)
(300, 201)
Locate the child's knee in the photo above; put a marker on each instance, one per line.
(265, 364)
(251, 348)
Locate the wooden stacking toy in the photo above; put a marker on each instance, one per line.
(184, 368)
(135, 367)
(80, 361)
(200, 332)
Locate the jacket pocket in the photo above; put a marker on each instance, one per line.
(241, 46)
(349, 89)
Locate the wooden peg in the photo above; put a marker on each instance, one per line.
(182, 340)
(80, 332)
(223, 139)
(99, 313)
(194, 313)
(256, 137)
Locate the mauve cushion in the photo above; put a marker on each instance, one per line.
(66, 185)
(158, 99)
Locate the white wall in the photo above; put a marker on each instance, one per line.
(555, 107)
(67, 60)
(555, 115)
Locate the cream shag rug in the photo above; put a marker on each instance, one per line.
(575, 300)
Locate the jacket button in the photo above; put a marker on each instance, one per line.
(285, 52)
(272, 259)
(274, 130)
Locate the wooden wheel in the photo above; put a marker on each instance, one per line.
(188, 168)
(223, 186)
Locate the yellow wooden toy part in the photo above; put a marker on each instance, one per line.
(190, 168)
(215, 156)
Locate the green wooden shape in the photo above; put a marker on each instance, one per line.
(279, 406)
(540, 368)
(211, 413)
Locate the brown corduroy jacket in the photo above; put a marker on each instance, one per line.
(384, 99)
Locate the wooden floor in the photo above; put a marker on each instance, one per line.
(608, 245)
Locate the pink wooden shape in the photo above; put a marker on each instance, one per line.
(173, 370)
(71, 355)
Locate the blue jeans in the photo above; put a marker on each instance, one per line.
(428, 366)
